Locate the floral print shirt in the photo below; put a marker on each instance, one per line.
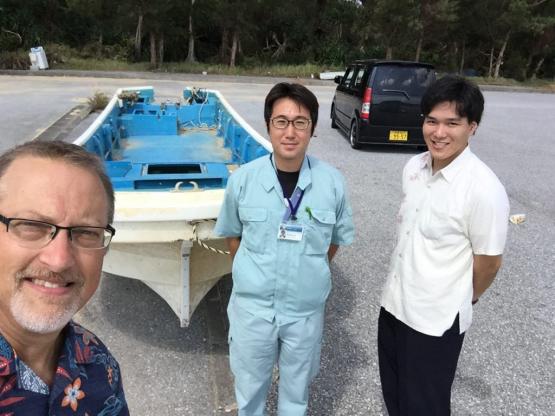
(87, 381)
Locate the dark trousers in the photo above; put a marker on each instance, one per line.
(416, 370)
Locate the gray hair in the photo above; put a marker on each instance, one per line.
(67, 152)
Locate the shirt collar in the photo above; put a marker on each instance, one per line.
(7, 358)
(76, 350)
(450, 171)
(78, 344)
(269, 178)
(426, 161)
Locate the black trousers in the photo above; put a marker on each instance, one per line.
(416, 370)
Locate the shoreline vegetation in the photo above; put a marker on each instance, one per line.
(287, 71)
(62, 57)
(279, 70)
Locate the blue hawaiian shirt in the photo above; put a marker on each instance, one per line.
(87, 381)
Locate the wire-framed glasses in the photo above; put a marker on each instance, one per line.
(37, 234)
(300, 123)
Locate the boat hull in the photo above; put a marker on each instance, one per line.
(158, 241)
(181, 272)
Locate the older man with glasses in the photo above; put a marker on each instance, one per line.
(56, 206)
(284, 217)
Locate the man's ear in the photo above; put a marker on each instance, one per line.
(473, 128)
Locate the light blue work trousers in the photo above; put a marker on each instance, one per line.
(254, 347)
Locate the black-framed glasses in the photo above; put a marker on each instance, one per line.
(37, 234)
(300, 123)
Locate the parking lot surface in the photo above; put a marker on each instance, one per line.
(507, 363)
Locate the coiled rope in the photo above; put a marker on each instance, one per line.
(203, 244)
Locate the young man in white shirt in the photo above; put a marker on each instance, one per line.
(452, 227)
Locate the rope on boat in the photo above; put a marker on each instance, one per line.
(201, 243)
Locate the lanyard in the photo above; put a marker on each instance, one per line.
(295, 201)
(294, 204)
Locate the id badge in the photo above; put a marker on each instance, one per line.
(291, 232)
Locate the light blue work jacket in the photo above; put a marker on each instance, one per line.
(272, 277)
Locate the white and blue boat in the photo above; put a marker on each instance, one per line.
(169, 163)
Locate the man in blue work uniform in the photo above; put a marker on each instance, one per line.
(284, 216)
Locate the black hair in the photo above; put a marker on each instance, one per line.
(296, 92)
(466, 95)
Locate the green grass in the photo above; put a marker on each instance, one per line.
(537, 83)
(98, 101)
(292, 71)
(101, 65)
(288, 71)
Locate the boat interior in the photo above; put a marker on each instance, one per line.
(188, 145)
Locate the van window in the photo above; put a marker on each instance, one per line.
(347, 78)
(412, 80)
(358, 78)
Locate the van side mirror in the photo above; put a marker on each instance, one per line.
(338, 79)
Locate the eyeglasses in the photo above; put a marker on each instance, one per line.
(300, 123)
(37, 234)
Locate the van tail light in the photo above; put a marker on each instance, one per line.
(366, 101)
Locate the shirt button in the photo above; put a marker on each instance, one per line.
(408, 232)
(416, 209)
(400, 255)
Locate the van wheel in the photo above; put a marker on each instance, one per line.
(353, 135)
(332, 116)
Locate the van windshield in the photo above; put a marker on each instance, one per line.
(406, 80)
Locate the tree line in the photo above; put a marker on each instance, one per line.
(491, 38)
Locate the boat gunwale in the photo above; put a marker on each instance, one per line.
(88, 133)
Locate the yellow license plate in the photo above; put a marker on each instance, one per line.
(398, 135)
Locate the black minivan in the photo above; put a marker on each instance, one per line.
(378, 102)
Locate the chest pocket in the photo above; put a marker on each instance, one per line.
(319, 231)
(441, 227)
(255, 229)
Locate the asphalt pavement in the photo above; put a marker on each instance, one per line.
(507, 363)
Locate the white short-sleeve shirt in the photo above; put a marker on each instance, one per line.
(443, 221)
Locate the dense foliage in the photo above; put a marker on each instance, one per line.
(509, 38)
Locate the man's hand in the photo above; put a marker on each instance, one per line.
(484, 271)
(331, 251)
(233, 245)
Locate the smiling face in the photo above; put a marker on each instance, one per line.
(41, 289)
(289, 144)
(446, 134)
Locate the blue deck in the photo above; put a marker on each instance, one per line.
(189, 147)
(150, 146)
